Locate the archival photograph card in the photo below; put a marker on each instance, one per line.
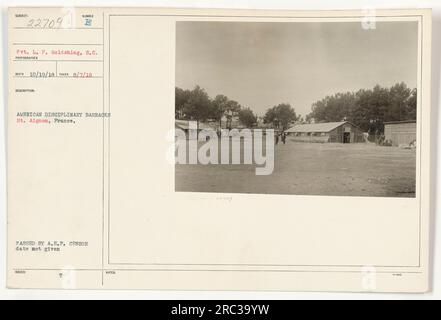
(202, 149)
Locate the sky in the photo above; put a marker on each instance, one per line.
(262, 64)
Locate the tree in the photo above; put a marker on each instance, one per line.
(181, 99)
(232, 110)
(198, 106)
(219, 104)
(411, 105)
(233, 107)
(247, 117)
(280, 115)
(370, 107)
(399, 98)
(333, 108)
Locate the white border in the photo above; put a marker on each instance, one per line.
(246, 4)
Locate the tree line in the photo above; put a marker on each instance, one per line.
(368, 109)
(197, 105)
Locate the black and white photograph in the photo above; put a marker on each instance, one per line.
(322, 108)
(249, 152)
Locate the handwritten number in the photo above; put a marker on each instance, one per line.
(45, 23)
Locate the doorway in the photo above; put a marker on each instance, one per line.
(346, 137)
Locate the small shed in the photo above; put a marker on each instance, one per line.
(342, 132)
(400, 132)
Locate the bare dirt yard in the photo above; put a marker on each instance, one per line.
(358, 169)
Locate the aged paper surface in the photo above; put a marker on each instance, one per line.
(99, 98)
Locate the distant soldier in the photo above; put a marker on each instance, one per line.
(283, 137)
(277, 138)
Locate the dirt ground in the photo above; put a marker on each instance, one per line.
(357, 169)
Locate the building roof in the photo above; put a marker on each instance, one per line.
(184, 124)
(398, 122)
(316, 127)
